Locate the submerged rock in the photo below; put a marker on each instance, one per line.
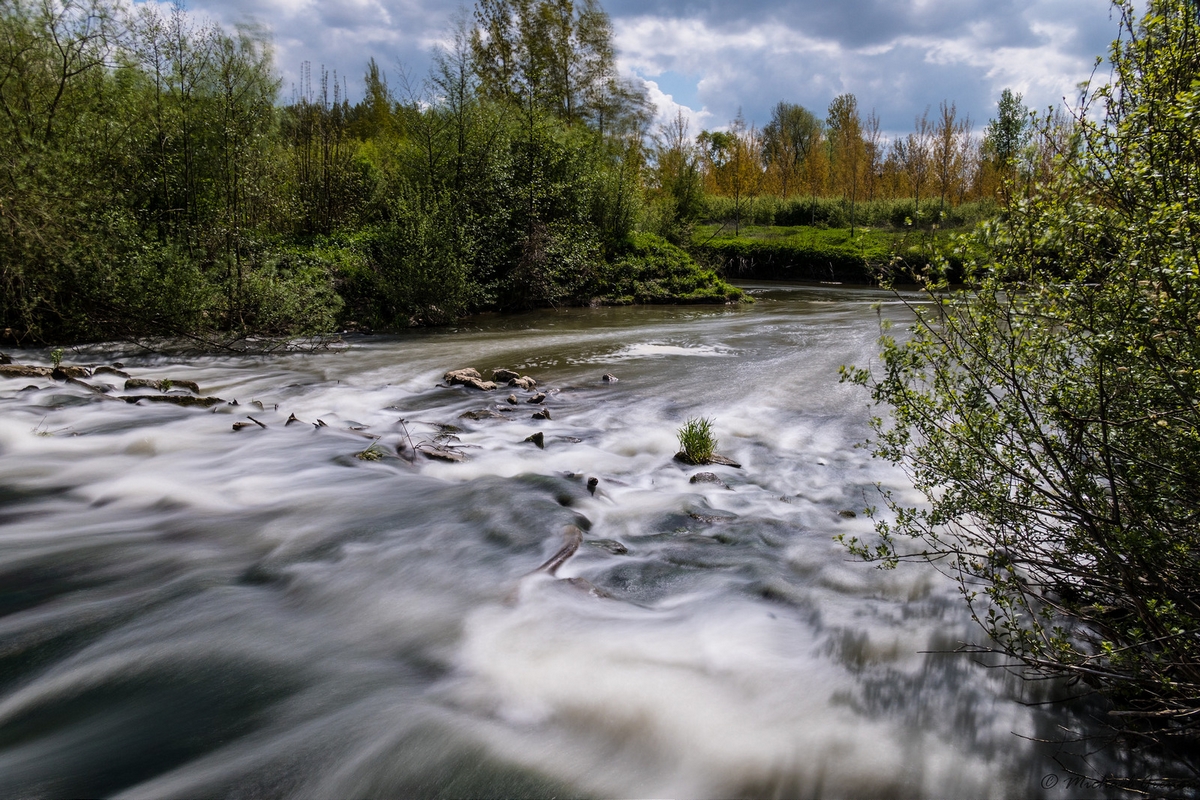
(185, 400)
(847, 513)
(483, 413)
(538, 438)
(708, 477)
(441, 453)
(5, 359)
(611, 545)
(584, 585)
(164, 385)
(572, 538)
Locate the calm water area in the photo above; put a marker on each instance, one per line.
(190, 611)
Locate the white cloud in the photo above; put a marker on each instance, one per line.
(897, 57)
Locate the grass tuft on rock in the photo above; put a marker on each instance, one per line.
(696, 440)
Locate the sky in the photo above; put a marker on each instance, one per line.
(712, 59)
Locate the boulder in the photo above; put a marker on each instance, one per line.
(537, 398)
(61, 373)
(610, 378)
(120, 373)
(538, 438)
(527, 383)
(512, 399)
(468, 377)
(24, 371)
(592, 483)
(5, 359)
(504, 375)
(543, 414)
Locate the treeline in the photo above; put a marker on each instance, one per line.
(152, 183)
(763, 173)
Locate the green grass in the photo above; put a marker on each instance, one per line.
(696, 440)
(825, 254)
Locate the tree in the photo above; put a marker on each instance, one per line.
(553, 54)
(913, 156)
(847, 150)
(1004, 140)
(788, 139)
(948, 154)
(1048, 412)
(734, 164)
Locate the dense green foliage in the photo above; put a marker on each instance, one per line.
(1049, 412)
(151, 184)
(830, 254)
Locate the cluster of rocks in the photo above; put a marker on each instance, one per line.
(175, 392)
(472, 378)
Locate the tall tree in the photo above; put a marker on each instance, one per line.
(847, 150)
(947, 153)
(788, 139)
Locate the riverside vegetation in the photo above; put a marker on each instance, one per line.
(1048, 410)
(153, 184)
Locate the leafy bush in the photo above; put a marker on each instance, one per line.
(647, 269)
(1049, 411)
(836, 212)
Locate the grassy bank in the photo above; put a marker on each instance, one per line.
(804, 253)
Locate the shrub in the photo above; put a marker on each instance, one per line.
(1049, 411)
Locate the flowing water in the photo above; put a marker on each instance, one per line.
(192, 611)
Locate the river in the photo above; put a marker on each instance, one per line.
(187, 610)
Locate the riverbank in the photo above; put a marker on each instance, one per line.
(861, 256)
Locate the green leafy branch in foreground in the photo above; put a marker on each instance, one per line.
(1050, 414)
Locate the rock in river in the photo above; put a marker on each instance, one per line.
(708, 477)
(468, 377)
(527, 383)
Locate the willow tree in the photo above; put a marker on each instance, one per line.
(1049, 411)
